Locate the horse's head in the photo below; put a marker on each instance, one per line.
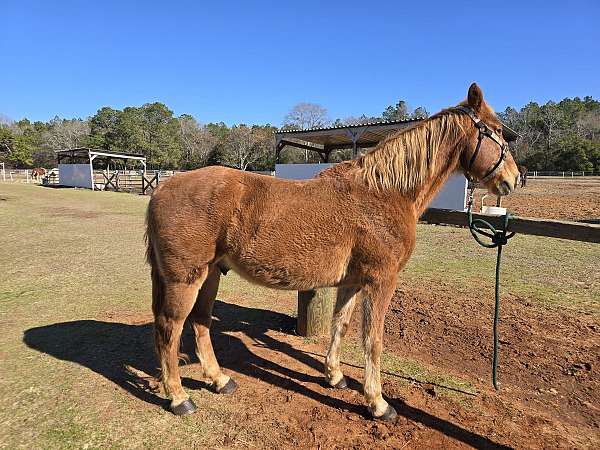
(486, 156)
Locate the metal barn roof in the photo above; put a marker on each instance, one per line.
(325, 140)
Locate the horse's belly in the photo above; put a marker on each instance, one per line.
(289, 274)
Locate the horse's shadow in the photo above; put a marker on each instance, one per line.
(119, 351)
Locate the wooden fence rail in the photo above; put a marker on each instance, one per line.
(575, 231)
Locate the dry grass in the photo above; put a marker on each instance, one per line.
(73, 255)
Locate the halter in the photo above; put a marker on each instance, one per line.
(484, 131)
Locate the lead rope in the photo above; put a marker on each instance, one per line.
(499, 238)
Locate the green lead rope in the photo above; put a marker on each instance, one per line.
(498, 238)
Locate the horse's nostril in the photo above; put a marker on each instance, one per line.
(507, 187)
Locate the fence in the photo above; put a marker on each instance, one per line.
(561, 174)
(133, 181)
(16, 175)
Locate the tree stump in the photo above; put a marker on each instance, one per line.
(315, 310)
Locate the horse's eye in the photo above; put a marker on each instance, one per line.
(499, 131)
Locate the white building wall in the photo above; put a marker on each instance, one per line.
(452, 196)
(75, 175)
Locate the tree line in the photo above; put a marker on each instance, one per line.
(168, 142)
(554, 136)
(171, 142)
(562, 136)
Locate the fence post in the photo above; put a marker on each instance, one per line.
(315, 310)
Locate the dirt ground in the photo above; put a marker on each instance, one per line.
(555, 198)
(549, 379)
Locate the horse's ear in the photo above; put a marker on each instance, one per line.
(475, 97)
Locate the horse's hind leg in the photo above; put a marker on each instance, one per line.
(170, 311)
(344, 305)
(201, 318)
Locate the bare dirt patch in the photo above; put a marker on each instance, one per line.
(556, 198)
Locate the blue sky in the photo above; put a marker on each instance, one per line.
(252, 61)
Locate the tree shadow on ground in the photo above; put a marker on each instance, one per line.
(119, 351)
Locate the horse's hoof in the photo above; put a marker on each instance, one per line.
(389, 415)
(229, 388)
(184, 408)
(342, 384)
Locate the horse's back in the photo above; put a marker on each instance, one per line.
(280, 233)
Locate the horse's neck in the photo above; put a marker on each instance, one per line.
(447, 163)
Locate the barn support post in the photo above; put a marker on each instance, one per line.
(315, 310)
(355, 135)
(278, 147)
(91, 158)
(325, 154)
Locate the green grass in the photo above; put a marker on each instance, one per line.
(70, 255)
(550, 272)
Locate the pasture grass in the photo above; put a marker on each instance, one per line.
(547, 271)
(70, 255)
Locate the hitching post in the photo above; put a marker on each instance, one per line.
(315, 309)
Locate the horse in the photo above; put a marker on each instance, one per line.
(523, 171)
(38, 173)
(352, 227)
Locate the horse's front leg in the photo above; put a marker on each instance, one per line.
(344, 305)
(376, 299)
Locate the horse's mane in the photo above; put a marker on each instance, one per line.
(404, 160)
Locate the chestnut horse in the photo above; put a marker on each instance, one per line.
(38, 173)
(352, 227)
(523, 171)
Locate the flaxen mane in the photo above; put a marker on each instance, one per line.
(404, 160)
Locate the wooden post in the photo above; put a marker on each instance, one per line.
(315, 309)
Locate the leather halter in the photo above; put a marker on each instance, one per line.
(484, 131)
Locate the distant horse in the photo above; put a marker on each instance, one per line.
(353, 227)
(523, 174)
(38, 173)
